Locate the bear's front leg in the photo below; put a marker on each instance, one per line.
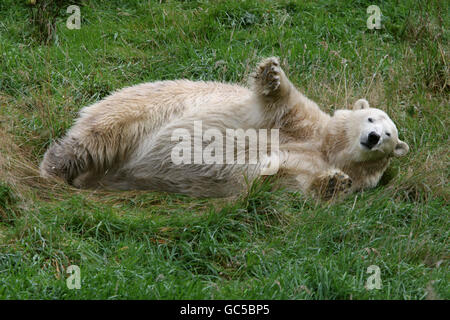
(302, 167)
(270, 81)
(331, 184)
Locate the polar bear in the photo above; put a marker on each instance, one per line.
(125, 141)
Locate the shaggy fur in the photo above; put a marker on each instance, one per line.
(124, 141)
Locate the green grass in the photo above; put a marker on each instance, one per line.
(267, 245)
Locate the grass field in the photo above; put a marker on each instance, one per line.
(265, 245)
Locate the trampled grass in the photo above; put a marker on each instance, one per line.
(266, 245)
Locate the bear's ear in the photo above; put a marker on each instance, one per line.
(401, 149)
(361, 104)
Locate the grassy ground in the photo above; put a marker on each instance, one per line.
(267, 245)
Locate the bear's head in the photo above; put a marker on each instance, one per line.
(368, 134)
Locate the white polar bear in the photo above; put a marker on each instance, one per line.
(124, 141)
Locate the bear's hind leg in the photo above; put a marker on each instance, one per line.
(65, 159)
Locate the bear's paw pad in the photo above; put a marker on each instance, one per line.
(335, 182)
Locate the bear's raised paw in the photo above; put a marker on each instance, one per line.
(268, 76)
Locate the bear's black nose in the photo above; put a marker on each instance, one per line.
(373, 139)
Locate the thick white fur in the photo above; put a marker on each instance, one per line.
(124, 140)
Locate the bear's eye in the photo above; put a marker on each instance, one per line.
(388, 134)
(370, 120)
